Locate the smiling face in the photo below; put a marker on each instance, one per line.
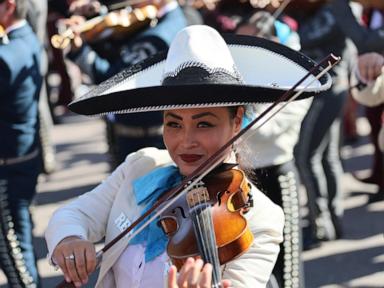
(193, 135)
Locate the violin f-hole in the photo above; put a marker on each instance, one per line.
(219, 195)
(169, 225)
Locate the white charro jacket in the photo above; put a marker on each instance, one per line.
(273, 143)
(93, 216)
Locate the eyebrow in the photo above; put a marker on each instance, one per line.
(204, 114)
(170, 114)
(196, 116)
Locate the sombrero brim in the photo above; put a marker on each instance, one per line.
(268, 70)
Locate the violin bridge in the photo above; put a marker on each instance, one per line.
(197, 196)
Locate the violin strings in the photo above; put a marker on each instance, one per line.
(213, 248)
(206, 237)
(198, 225)
(209, 233)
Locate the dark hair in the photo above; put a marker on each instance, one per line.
(233, 111)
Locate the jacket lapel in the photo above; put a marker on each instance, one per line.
(111, 256)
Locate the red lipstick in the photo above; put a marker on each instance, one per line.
(189, 158)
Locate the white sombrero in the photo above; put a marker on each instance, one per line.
(203, 69)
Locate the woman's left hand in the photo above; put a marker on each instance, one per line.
(193, 274)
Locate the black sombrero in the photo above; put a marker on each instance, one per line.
(202, 69)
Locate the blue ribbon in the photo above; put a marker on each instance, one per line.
(147, 189)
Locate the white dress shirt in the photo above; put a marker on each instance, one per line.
(130, 269)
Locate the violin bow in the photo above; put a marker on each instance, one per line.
(208, 165)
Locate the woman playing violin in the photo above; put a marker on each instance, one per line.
(206, 87)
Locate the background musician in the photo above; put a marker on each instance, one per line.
(368, 36)
(127, 133)
(20, 165)
(370, 71)
(317, 151)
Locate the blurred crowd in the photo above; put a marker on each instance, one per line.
(54, 51)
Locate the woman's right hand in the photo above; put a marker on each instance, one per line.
(76, 257)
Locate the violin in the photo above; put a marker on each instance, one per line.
(209, 222)
(113, 25)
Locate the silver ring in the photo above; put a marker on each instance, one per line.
(70, 257)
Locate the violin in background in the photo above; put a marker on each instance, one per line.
(113, 25)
